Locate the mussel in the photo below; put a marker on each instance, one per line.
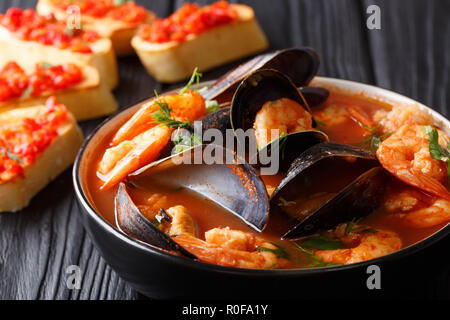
(300, 64)
(269, 85)
(328, 184)
(132, 222)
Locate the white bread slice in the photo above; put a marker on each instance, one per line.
(28, 53)
(119, 32)
(174, 61)
(16, 194)
(89, 99)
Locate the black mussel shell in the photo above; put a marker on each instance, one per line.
(315, 96)
(255, 90)
(357, 200)
(300, 64)
(287, 149)
(131, 221)
(217, 174)
(219, 120)
(331, 169)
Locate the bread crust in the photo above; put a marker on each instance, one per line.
(28, 53)
(16, 194)
(119, 32)
(174, 61)
(87, 100)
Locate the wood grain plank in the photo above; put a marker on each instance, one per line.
(409, 55)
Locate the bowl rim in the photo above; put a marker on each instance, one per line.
(333, 84)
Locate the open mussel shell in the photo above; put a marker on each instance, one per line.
(287, 149)
(357, 200)
(132, 222)
(255, 90)
(300, 64)
(215, 173)
(315, 96)
(219, 120)
(336, 171)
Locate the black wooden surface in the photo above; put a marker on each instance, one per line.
(410, 55)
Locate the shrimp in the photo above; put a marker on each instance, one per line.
(418, 210)
(130, 155)
(233, 248)
(401, 115)
(285, 115)
(182, 222)
(405, 154)
(332, 115)
(185, 107)
(140, 140)
(364, 246)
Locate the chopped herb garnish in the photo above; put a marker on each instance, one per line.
(195, 77)
(316, 262)
(11, 155)
(46, 65)
(279, 251)
(212, 106)
(323, 243)
(163, 116)
(437, 152)
(27, 93)
(184, 139)
(323, 124)
(374, 139)
(156, 222)
(282, 144)
(118, 3)
(352, 227)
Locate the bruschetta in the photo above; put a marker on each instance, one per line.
(202, 37)
(36, 144)
(77, 87)
(116, 20)
(29, 38)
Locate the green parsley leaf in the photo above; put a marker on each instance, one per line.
(163, 116)
(184, 140)
(316, 262)
(11, 155)
(46, 65)
(374, 139)
(323, 243)
(195, 77)
(119, 3)
(437, 152)
(27, 93)
(212, 106)
(279, 251)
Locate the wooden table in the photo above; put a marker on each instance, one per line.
(409, 55)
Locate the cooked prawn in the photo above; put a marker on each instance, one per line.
(185, 107)
(140, 140)
(363, 246)
(401, 115)
(280, 116)
(405, 154)
(182, 222)
(417, 209)
(130, 155)
(233, 248)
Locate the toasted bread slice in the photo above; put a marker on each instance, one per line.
(87, 100)
(58, 156)
(28, 53)
(119, 32)
(174, 61)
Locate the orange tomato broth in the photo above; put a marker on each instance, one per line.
(201, 209)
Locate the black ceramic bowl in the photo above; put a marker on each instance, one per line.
(160, 275)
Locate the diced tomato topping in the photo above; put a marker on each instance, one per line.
(14, 82)
(190, 19)
(21, 142)
(128, 12)
(28, 25)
